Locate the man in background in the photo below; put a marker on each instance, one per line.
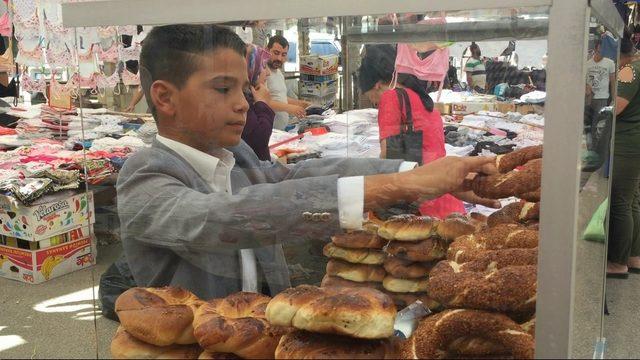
(601, 73)
(282, 104)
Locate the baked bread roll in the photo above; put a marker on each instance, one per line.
(474, 346)
(125, 346)
(403, 300)
(306, 345)
(514, 183)
(237, 324)
(454, 226)
(335, 281)
(405, 285)
(530, 327)
(435, 335)
(514, 213)
(354, 256)
(507, 289)
(359, 240)
(405, 269)
(532, 196)
(422, 251)
(362, 313)
(408, 228)
(512, 160)
(355, 272)
(158, 316)
(502, 236)
(218, 356)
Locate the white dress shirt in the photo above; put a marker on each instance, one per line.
(215, 169)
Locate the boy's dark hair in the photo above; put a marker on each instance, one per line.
(278, 39)
(169, 53)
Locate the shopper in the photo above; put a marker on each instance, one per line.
(280, 101)
(259, 126)
(600, 84)
(624, 229)
(410, 102)
(200, 211)
(476, 73)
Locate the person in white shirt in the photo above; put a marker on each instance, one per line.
(280, 103)
(200, 211)
(601, 72)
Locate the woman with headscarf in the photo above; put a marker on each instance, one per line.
(260, 116)
(408, 103)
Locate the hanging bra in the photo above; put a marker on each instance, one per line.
(106, 32)
(432, 68)
(130, 53)
(55, 29)
(130, 30)
(30, 85)
(25, 12)
(23, 32)
(65, 89)
(110, 55)
(91, 82)
(30, 57)
(108, 82)
(87, 57)
(63, 58)
(129, 78)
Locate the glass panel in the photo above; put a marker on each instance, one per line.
(595, 184)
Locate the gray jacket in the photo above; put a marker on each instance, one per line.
(176, 231)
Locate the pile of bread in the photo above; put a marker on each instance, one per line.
(301, 322)
(487, 284)
(481, 271)
(394, 257)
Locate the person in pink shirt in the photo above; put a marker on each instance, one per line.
(410, 127)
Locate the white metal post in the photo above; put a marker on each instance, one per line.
(564, 115)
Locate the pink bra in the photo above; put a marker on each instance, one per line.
(90, 82)
(106, 31)
(30, 85)
(87, 57)
(25, 12)
(130, 53)
(63, 58)
(129, 78)
(57, 29)
(65, 89)
(29, 57)
(110, 55)
(432, 68)
(108, 82)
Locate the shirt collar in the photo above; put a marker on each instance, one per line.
(204, 164)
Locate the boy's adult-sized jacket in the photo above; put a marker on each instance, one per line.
(177, 232)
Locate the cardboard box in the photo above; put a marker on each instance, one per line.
(38, 266)
(444, 109)
(319, 89)
(505, 107)
(51, 215)
(318, 78)
(319, 64)
(471, 107)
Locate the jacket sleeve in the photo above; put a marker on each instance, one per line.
(156, 207)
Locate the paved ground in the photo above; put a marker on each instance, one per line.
(56, 319)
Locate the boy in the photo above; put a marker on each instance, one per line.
(200, 211)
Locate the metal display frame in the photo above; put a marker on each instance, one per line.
(568, 27)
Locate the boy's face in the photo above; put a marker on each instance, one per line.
(210, 110)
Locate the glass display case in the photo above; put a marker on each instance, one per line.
(199, 228)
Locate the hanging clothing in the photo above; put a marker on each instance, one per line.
(432, 68)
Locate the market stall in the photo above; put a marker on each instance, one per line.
(475, 307)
